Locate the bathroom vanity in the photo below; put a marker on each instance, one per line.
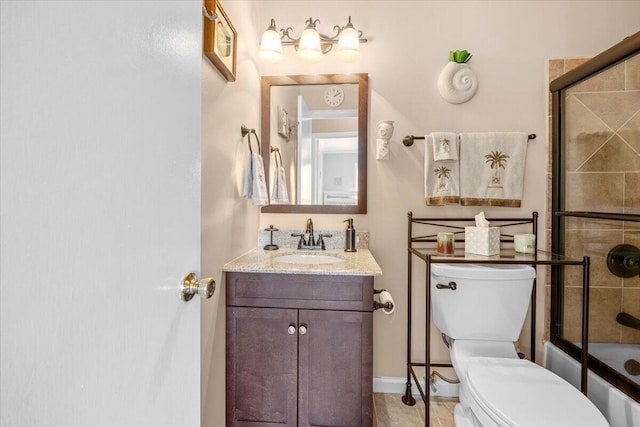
(299, 338)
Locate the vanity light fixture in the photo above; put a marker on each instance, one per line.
(311, 45)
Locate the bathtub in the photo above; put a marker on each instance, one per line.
(619, 409)
(615, 355)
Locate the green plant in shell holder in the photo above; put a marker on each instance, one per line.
(457, 82)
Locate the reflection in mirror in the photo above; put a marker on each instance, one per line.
(318, 124)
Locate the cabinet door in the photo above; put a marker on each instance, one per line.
(335, 368)
(262, 363)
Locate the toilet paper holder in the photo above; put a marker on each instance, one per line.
(377, 305)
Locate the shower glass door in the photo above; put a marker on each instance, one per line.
(596, 206)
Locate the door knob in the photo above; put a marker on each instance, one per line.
(303, 329)
(192, 286)
(292, 329)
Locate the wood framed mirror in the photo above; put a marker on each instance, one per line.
(315, 127)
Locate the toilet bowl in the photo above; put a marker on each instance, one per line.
(482, 316)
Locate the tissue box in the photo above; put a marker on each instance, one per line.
(482, 240)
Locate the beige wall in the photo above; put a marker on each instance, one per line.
(229, 222)
(409, 45)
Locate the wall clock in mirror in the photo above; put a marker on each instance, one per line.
(333, 96)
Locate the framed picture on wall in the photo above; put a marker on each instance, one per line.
(220, 39)
(283, 122)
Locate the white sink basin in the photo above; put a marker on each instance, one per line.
(308, 259)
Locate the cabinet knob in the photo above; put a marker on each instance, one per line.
(291, 330)
(303, 329)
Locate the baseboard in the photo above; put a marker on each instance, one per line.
(397, 385)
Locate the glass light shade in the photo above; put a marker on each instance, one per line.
(270, 46)
(309, 47)
(348, 44)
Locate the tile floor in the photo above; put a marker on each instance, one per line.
(389, 411)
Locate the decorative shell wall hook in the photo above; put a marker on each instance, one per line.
(457, 82)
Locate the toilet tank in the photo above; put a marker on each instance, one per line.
(490, 301)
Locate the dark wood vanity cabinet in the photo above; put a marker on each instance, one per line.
(299, 350)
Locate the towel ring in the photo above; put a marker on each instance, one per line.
(277, 150)
(245, 131)
(257, 140)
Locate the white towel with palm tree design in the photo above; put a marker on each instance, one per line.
(441, 177)
(492, 168)
(445, 145)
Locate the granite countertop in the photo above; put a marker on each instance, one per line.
(360, 263)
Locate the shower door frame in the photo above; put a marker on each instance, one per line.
(612, 56)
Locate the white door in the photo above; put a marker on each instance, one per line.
(100, 213)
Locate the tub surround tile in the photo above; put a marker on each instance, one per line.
(632, 196)
(547, 208)
(611, 79)
(630, 132)
(555, 68)
(614, 156)
(602, 322)
(572, 314)
(586, 133)
(595, 244)
(601, 192)
(633, 73)
(548, 142)
(632, 238)
(592, 224)
(613, 108)
(571, 63)
(547, 313)
(631, 305)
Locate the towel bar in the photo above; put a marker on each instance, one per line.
(408, 140)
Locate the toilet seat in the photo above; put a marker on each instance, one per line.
(519, 393)
(464, 350)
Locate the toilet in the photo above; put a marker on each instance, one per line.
(481, 308)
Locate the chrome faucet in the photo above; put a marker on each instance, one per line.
(307, 239)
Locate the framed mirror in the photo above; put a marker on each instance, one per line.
(314, 129)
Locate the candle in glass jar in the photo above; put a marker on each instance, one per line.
(445, 243)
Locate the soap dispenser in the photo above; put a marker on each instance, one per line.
(350, 236)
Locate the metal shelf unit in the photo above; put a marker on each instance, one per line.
(427, 253)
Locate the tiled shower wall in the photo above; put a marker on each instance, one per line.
(602, 118)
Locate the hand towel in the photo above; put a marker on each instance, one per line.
(247, 188)
(260, 194)
(492, 168)
(255, 185)
(445, 146)
(441, 179)
(279, 193)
